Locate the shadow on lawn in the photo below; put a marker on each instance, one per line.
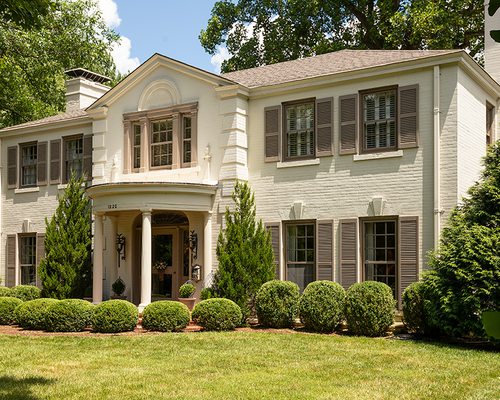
(12, 388)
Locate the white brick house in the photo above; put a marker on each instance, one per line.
(356, 159)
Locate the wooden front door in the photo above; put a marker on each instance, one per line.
(165, 264)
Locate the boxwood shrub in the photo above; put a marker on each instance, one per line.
(370, 308)
(186, 291)
(207, 293)
(5, 291)
(321, 306)
(7, 307)
(25, 292)
(277, 304)
(114, 316)
(32, 314)
(165, 316)
(70, 315)
(217, 314)
(413, 308)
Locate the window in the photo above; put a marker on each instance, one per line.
(379, 120)
(490, 118)
(186, 140)
(137, 146)
(380, 252)
(73, 157)
(300, 254)
(161, 143)
(28, 164)
(28, 260)
(299, 123)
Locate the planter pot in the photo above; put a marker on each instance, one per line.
(491, 323)
(189, 302)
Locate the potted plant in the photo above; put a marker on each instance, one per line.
(118, 287)
(186, 292)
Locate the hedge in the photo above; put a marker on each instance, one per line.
(32, 314)
(277, 304)
(25, 292)
(217, 314)
(69, 315)
(7, 307)
(165, 316)
(114, 316)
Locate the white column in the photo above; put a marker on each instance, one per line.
(98, 264)
(146, 260)
(113, 255)
(207, 246)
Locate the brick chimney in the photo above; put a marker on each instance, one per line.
(491, 48)
(83, 88)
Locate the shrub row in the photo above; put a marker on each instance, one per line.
(22, 292)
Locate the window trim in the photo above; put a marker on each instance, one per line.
(21, 185)
(133, 146)
(284, 131)
(151, 144)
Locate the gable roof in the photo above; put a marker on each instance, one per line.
(326, 64)
(74, 115)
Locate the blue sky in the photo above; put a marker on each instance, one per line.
(169, 27)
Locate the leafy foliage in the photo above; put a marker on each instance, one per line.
(69, 315)
(65, 271)
(32, 314)
(277, 304)
(369, 308)
(165, 316)
(33, 60)
(7, 307)
(114, 316)
(244, 250)
(217, 314)
(414, 310)
(186, 290)
(261, 32)
(321, 306)
(5, 291)
(25, 292)
(207, 293)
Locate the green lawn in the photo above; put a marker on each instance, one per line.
(242, 365)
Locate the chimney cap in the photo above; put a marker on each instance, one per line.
(83, 73)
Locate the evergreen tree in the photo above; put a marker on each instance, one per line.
(244, 251)
(65, 271)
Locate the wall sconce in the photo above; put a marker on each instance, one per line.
(193, 244)
(196, 273)
(120, 247)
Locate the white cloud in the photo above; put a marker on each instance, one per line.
(219, 57)
(109, 11)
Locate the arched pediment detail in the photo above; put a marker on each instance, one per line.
(158, 94)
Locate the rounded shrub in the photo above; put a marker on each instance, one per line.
(207, 293)
(7, 307)
(5, 291)
(321, 306)
(114, 316)
(277, 304)
(70, 315)
(413, 308)
(32, 314)
(26, 292)
(165, 316)
(369, 308)
(186, 290)
(217, 314)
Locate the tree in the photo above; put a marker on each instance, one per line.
(33, 60)
(65, 271)
(259, 32)
(244, 251)
(465, 279)
(26, 13)
(492, 9)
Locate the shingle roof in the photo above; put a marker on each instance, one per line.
(67, 116)
(326, 64)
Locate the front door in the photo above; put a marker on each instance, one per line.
(165, 264)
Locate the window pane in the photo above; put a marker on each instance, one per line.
(301, 274)
(74, 157)
(28, 260)
(379, 124)
(28, 165)
(300, 129)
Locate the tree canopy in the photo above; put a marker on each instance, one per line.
(259, 32)
(36, 49)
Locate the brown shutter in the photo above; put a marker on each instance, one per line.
(324, 127)
(274, 229)
(324, 251)
(348, 252)
(87, 157)
(55, 161)
(10, 279)
(41, 159)
(272, 128)
(12, 167)
(348, 123)
(408, 116)
(408, 253)
(40, 253)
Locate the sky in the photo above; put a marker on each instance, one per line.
(168, 27)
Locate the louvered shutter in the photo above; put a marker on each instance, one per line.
(348, 123)
(87, 157)
(274, 229)
(40, 253)
(12, 167)
(324, 251)
(272, 129)
(348, 252)
(55, 161)
(10, 278)
(324, 127)
(408, 253)
(41, 160)
(408, 116)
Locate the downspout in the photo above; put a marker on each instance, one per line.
(437, 158)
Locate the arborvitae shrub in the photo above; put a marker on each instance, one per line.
(277, 304)
(114, 316)
(217, 314)
(25, 292)
(32, 314)
(165, 316)
(7, 307)
(70, 315)
(321, 306)
(370, 308)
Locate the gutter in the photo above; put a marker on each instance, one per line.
(437, 158)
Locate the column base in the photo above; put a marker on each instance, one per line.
(142, 306)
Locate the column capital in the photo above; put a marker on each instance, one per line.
(146, 211)
(99, 214)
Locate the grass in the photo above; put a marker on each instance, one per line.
(242, 365)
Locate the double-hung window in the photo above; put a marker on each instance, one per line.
(187, 128)
(299, 137)
(161, 143)
(28, 259)
(73, 157)
(300, 253)
(28, 165)
(136, 157)
(379, 120)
